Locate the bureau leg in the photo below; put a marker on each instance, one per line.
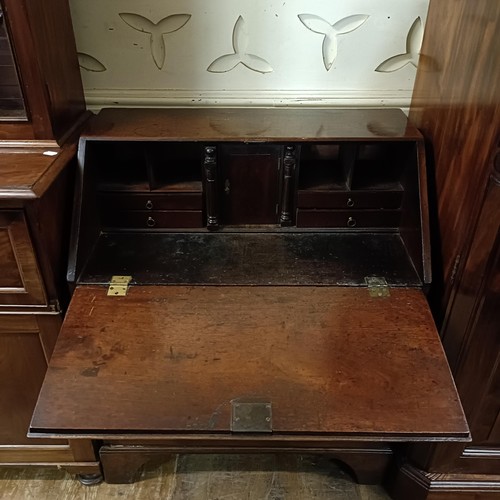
(120, 465)
(368, 466)
(89, 479)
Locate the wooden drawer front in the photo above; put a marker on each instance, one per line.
(170, 201)
(153, 219)
(348, 218)
(20, 279)
(352, 199)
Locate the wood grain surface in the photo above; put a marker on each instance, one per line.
(332, 361)
(254, 125)
(456, 105)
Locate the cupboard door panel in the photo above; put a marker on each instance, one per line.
(250, 182)
(24, 347)
(20, 280)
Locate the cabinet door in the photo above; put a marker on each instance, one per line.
(26, 342)
(11, 98)
(251, 184)
(20, 280)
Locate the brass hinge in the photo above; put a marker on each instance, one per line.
(377, 287)
(118, 285)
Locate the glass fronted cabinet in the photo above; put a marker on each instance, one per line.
(41, 94)
(11, 97)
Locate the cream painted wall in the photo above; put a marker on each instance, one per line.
(230, 53)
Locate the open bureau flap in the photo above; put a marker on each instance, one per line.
(229, 359)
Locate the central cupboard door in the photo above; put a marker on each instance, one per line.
(250, 183)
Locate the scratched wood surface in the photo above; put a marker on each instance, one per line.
(202, 477)
(178, 356)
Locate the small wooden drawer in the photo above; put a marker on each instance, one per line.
(154, 219)
(349, 199)
(153, 201)
(348, 218)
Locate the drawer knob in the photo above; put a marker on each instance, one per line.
(351, 222)
(350, 202)
(151, 222)
(149, 204)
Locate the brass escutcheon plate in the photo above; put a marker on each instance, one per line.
(251, 416)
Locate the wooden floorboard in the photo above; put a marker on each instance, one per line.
(201, 477)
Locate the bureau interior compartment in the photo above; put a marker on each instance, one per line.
(325, 167)
(367, 188)
(356, 184)
(354, 168)
(145, 166)
(382, 166)
(251, 258)
(146, 184)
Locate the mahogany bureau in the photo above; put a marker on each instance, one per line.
(249, 280)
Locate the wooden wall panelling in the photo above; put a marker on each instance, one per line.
(457, 107)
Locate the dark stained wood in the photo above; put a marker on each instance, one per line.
(34, 211)
(11, 98)
(252, 258)
(27, 173)
(288, 186)
(252, 125)
(20, 169)
(349, 219)
(478, 299)
(249, 178)
(349, 199)
(457, 106)
(37, 186)
(121, 463)
(20, 280)
(364, 374)
(165, 362)
(150, 201)
(45, 53)
(24, 342)
(153, 219)
(244, 184)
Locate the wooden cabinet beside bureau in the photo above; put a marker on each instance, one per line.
(457, 108)
(34, 221)
(41, 107)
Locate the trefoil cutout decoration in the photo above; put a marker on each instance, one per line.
(331, 31)
(413, 44)
(156, 31)
(90, 63)
(227, 62)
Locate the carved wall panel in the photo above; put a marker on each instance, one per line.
(292, 52)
